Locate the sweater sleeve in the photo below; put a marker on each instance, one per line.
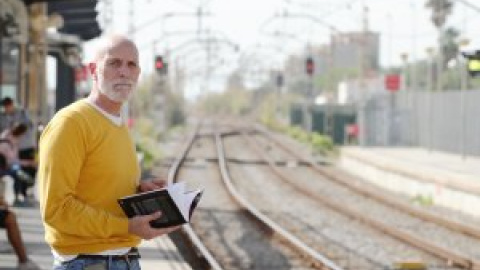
(63, 148)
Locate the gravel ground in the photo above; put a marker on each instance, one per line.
(378, 211)
(314, 220)
(232, 237)
(441, 211)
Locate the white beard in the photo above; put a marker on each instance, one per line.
(119, 90)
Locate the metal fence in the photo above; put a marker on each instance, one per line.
(447, 121)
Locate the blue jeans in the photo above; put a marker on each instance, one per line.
(96, 264)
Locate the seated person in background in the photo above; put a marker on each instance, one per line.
(11, 116)
(8, 221)
(9, 140)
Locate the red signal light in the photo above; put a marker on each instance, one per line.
(159, 62)
(160, 65)
(310, 66)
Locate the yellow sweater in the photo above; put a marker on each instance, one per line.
(86, 163)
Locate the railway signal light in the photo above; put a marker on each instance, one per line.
(473, 62)
(279, 80)
(161, 67)
(474, 67)
(309, 66)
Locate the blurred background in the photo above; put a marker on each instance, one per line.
(369, 107)
(393, 73)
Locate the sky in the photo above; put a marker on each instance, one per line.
(260, 28)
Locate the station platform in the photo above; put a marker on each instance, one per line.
(449, 180)
(159, 253)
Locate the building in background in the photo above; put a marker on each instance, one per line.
(30, 30)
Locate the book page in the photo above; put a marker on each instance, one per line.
(183, 199)
(191, 200)
(176, 191)
(176, 204)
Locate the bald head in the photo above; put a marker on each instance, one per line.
(115, 69)
(108, 43)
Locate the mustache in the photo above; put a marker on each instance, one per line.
(123, 83)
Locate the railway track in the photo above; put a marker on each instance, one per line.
(427, 232)
(231, 233)
(354, 241)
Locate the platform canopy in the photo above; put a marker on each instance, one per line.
(79, 16)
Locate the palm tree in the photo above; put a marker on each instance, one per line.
(450, 45)
(440, 11)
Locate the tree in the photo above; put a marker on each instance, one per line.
(440, 11)
(449, 45)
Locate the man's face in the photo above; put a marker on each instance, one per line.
(117, 72)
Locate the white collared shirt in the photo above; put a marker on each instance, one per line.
(117, 120)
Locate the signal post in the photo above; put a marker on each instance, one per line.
(159, 92)
(309, 102)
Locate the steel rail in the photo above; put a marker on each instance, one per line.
(442, 252)
(321, 260)
(453, 225)
(187, 229)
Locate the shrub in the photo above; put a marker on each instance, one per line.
(321, 143)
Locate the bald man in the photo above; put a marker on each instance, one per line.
(88, 161)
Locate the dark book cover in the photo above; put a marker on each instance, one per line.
(159, 200)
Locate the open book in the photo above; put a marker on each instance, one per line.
(174, 202)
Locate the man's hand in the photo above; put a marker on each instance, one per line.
(151, 184)
(140, 225)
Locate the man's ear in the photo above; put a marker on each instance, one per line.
(92, 68)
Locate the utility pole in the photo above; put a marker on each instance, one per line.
(208, 70)
(413, 68)
(362, 85)
(462, 68)
(279, 81)
(407, 87)
(362, 47)
(439, 86)
(199, 20)
(430, 52)
(200, 13)
(463, 87)
(131, 19)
